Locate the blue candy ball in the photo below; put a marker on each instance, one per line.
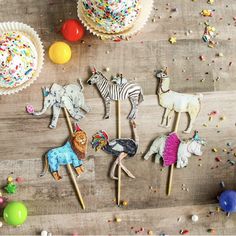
(227, 201)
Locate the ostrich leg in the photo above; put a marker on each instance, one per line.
(116, 162)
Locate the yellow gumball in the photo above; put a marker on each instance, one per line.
(60, 53)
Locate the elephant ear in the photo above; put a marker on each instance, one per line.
(45, 91)
(57, 91)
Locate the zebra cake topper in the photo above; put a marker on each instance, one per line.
(118, 90)
(174, 101)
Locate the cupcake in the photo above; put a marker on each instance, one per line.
(21, 57)
(112, 16)
(114, 19)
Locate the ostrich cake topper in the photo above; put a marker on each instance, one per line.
(120, 89)
(70, 97)
(119, 148)
(172, 150)
(178, 102)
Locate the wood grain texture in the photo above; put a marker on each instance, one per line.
(25, 139)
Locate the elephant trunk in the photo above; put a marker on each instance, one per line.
(39, 113)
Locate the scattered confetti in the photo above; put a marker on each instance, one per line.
(19, 180)
(184, 231)
(172, 40)
(214, 150)
(206, 13)
(118, 220)
(11, 188)
(194, 218)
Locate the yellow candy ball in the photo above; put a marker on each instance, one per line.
(60, 53)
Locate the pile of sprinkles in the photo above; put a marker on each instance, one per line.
(18, 59)
(112, 16)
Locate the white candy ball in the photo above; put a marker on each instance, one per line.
(44, 233)
(194, 218)
(1, 224)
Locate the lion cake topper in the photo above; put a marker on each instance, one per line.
(72, 152)
(120, 89)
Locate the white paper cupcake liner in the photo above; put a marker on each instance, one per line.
(142, 19)
(34, 37)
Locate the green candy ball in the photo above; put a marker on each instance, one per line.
(15, 213)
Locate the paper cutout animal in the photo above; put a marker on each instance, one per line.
(179, 102)
(114, 92)
(70, 96)
(172, 150)
(119, 79)
(72, 152)
(118, 148)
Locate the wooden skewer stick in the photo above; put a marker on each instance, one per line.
(119, 166)
(171, 170)
(69, 166)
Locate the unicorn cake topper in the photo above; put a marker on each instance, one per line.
(70, 96)
(172, 150)
(179, 102)
(120, 89)
(119, 148)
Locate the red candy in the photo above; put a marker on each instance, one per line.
(72, 30)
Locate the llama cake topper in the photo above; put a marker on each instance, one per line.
(178, 102)
(70, 96)
(120, 89)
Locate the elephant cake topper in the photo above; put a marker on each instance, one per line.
(178, 102)
(69, 96)
(119, 89)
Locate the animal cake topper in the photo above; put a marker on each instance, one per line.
(118, 90)
(178, 102)
(72, 152)
(172, 150)
(70, 96)
(119, 148)
(71, 99)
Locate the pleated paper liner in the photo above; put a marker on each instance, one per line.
(146, 8)
(34, 37)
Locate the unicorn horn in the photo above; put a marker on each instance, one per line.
(166, 71)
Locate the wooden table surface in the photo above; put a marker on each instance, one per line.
(24, 139)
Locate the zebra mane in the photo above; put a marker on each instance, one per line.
(101, 74)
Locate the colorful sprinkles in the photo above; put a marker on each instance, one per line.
(112, 16)
(18, 59)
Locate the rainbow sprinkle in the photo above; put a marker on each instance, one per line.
(112, 16)
(18, 59)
